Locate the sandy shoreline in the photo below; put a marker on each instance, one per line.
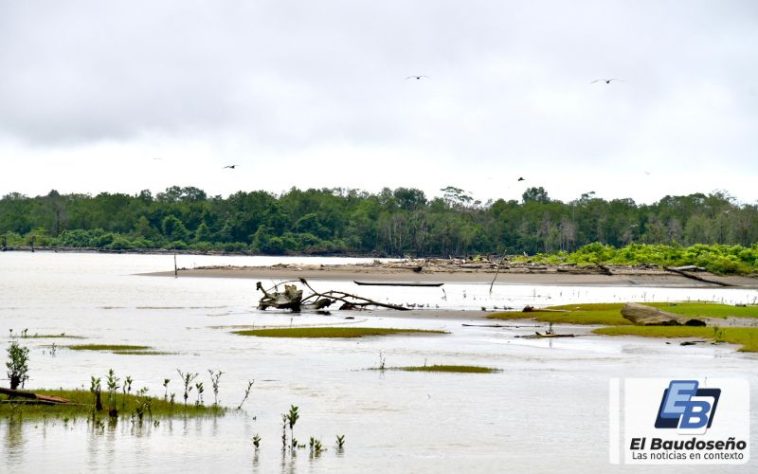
(513, 276)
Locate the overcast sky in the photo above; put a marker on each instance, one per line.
(123, 96)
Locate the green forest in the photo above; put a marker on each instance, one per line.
(399, 222)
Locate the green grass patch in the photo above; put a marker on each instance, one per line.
(341, 332)
(84, 406)
(745, 337)
(107, 347)
(708, 309)
(608, 314)
(459, 369)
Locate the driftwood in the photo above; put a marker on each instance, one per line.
(31, 397)
(532, 309)
(292, 298)
(642, 315)
(679, 271)
(349, 301)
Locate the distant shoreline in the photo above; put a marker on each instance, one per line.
(517, 275)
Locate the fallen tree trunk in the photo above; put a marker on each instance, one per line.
(642, 315)
(34, 397)
(694, 277)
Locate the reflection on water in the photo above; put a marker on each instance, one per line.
(531, 417)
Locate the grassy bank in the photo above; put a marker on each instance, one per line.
(83, 405)
(746, 338)
(333, 332)
(609, 314)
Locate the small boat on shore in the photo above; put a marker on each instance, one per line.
(397, 283)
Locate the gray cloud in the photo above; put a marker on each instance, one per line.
(509, 82)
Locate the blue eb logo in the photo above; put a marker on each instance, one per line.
(685, 406)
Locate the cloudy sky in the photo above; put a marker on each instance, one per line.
(123, 96)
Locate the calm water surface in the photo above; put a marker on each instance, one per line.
(545, 412)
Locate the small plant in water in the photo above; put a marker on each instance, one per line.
(165, 388)
(112, 382)
(126, 389)
(382, 361)
(292, 418)
(200, 390)
(215, 376)
(340, 442)
(256, 441)
(187, 379)
(95, 388)
(316, 447)
(144, 404)
(247, 393)
(18, 364)
(284, 433)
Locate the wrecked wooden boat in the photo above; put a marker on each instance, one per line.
(398, 283)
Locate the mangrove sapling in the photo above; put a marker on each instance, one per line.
(126, 389)
(112, 382)
(284, 433)
(200, 390)
(247, 393)
(215, 376)
(340, 442)
(382, 361)
(18, 364)
(144, 404)
(165, 388)
(292, 418)
(315, 447)
(95, 388)
(256, 441)
(187, 379)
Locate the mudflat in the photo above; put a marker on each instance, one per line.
(457, 272)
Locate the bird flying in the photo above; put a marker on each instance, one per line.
(417, 77)
(521, 179)
(607, 81)
(230, 166)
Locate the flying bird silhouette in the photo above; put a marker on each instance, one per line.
(607, 81)
(521, 179)
(230, 166)
(417, 77)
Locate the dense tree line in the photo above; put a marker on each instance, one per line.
(395, 222)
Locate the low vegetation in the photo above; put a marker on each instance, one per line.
(747, 338)
(609, 314)
(332, 332)
(83, 406)
(597, 314)
(115, 348)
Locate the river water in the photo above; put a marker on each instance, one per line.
(546, 411)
